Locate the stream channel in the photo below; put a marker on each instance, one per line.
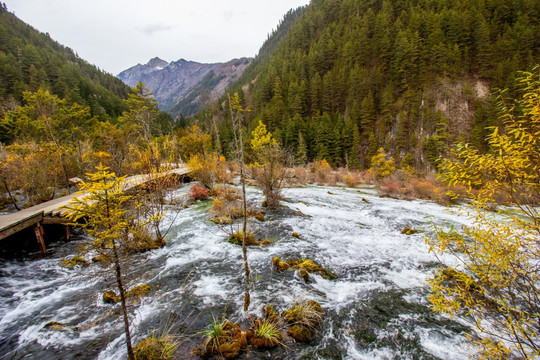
(376, 308)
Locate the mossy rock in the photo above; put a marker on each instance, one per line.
(300, 333)
(261, 342)
(269, 312)
(109, 297)
(305, 275)
(133, 295)
(268, 341)
(237, 239)
(229, 346)
(154, 349)
(307, 313)
(296, 235)
(266, 242)
(139, 291)
(280, 265)
(260, 216)
(144, 242)
(100, 259)
(408, 231)
(222, 220)
(311, 267)
(74, 261)
(55, 326)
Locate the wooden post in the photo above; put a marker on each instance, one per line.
(39, 231)
(68, 233)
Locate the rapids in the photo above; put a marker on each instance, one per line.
(375, 309)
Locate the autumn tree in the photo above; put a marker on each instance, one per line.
(382, 165)
(141, 118)
(101, 209)
(269, 166)
(495, 279)
(47, 118)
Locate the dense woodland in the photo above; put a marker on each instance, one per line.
(60, 117)
(338, 79)
(30, 60)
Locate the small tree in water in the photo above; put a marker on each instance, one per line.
(270, 166)
(102, 207)
(237, 115)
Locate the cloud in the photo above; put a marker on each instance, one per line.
(150, 29)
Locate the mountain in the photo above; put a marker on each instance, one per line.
(182, 87)
(340, 79)
(30, 60)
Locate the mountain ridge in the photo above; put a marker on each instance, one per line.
(183, 86)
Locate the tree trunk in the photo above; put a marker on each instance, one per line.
(247, 297)
(118, 272)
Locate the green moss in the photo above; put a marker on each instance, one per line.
(139, 291)
(265, 334)
(408, 231)
(300, 333)
(143, 241)
(109, 297)
(260, 216)
(224, 339)
(153, 348)
(237, 239)
(280, 265)
(133, 295)
(269, 312)
(74, 261)
(55, 326)
(308, 313)
(311, 267)
(304, 274)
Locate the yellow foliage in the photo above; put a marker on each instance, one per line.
(260, 142)
(381, 166)
(209, 169)
(497, 282)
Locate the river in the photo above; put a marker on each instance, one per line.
(375, 309)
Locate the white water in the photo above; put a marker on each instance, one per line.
(198, 271)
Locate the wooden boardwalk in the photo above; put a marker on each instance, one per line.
(51, 212)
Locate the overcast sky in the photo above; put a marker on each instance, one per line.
(118, 34)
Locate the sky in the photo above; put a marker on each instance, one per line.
(118, 34)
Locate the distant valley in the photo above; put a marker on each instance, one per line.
(183, 87)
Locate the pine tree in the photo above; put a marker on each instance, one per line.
(301, 153)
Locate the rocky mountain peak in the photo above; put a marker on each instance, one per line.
(178, 85)
(157, 63)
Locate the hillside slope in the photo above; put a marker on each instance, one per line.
(350, 76)
(30, 59)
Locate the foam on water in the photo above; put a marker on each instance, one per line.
(359, 241)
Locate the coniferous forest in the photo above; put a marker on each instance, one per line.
(342, 78)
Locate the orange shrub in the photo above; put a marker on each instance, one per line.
(198, 192)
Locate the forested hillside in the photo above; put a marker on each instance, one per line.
(30, 60)
(342, 78)
(60, 117)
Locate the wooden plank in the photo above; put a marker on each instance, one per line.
(51, 212)
(21, 225)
